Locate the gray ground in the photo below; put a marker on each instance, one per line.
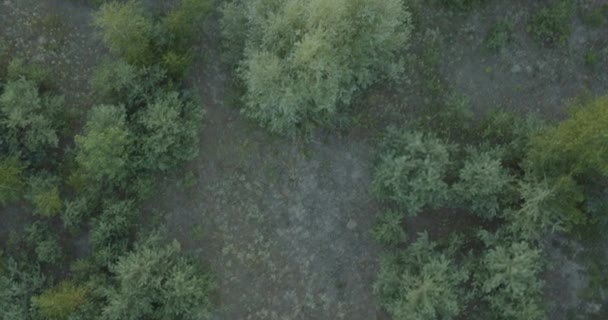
(284, 224)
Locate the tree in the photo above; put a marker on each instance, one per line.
(59, 302)
(28, 117)
(548, 206)
(576, 146)
(482, 184)
(169, 131)
(411, 171)
(18, 283)
(510, 281)
(304, 60)
(44, 194)
(11, 180)
(155, 282)
(421, 283)
(127, 30)
(111, 231)
(102, 152)
(43, 242)
(388, 230)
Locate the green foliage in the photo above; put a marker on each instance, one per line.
(499, 35)
(184, 22)
(44, 243)
(388, 229)
(102, 150)
(304, 60)
(482, 184)
(575, 146)
(592, 58)
(74, 214)
(411, 171)
(548, 207)
(18, 69)
(552, 24)
(18, 283)
(11, 180)
(462, 4)
(28, 117)
(59, 302)
(110, 232)
(421, 283)
(595, 17)
(44, 195)
(114, 80)
(510, 281)
(155, 282)
(127, 30)
(169, 131)
(510, 132)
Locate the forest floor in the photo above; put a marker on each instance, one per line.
(285, 223)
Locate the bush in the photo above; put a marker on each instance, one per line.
(304, 60)
(18, 283)
(499, 35)
(462, 4)
(11, 180)
(483, 185)
(388, 229)
(553, 23)
(155, 282)
(411, 171)
(74, 214)
(421, 283)
(59, 302)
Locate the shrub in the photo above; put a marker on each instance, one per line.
(499, 35)
(553, 24)
(482, 185)
(74, 214)
(11, 180)
(388, 229)
(411, 171)
(111, 232)
(59, 302)
(304, 60)
(462, 4)
(184, 22)
(18, 283)
(18, 69)
(421, 283)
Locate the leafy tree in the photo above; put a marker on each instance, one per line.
(510, 281)
(388, 230)
(411, 171)
(169, 132)
(74, 213)
(11, 180)
(421, 283)
(110, 232)
(304, 60)
(482, 184)
(28, 117)
(18, 283)
(114, 81)
(59, 302)
(576, 146)
(184, 22)
(547, 207)
(44, 195)
(44, 243)
(155, 282)
(102, 150)
(18, 69)
(127, 30)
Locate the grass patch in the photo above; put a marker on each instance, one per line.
(553, 23)
(499, 35)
